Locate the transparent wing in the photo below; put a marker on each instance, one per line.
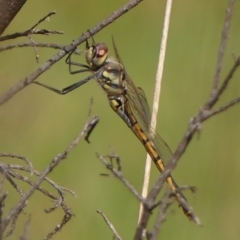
(140, 108)
(141, 111)
(116, 52)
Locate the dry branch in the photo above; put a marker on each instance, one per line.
(32, 30)
(8, 172)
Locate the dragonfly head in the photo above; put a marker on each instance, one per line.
(96, 54)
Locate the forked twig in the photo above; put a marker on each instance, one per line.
(32, 30)
(119, 175)
(20, 205)
(13, 155)
(161, 217)
(149, 203)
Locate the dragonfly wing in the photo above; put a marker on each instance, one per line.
(116, 52)
(140, 108)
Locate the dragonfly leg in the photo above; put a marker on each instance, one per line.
(66, 89)
(70, 63)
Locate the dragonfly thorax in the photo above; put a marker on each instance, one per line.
(96, 55)
(111, 78)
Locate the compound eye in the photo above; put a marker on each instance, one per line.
(101, 50)
(96, 55)
(100, 54)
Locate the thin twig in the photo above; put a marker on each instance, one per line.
(35, 172)
(8, 172)
(119, 175)
(165, 204)
(26, 231)
(110, 225)
(34, 47)
(51, 166)
(222, 47)
(67, 217)
(25, 159)
(43, 19)
(14, 220)
(222, 108)
(93, 125)
(43, 45)
(213, 99)
(2, 205)
(31, 30)
(150, 204)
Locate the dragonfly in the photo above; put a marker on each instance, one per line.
(129, 102)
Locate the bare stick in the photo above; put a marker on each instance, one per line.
(59, 226)
(150, 204)
(94, 124)
(119, 175)
(2, 204)
(25, 159)
(215, 97)
(110, 225)
(43, 45)
(157, 92)
(165, 204)
(35, 172)
(223, 108)
(32, 30)
(25, 235)
(222, 46)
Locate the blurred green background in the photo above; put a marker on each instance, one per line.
(40, 124)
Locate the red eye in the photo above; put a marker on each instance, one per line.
(96, 55)
(101, 50)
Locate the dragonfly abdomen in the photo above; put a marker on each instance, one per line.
(148, 145)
